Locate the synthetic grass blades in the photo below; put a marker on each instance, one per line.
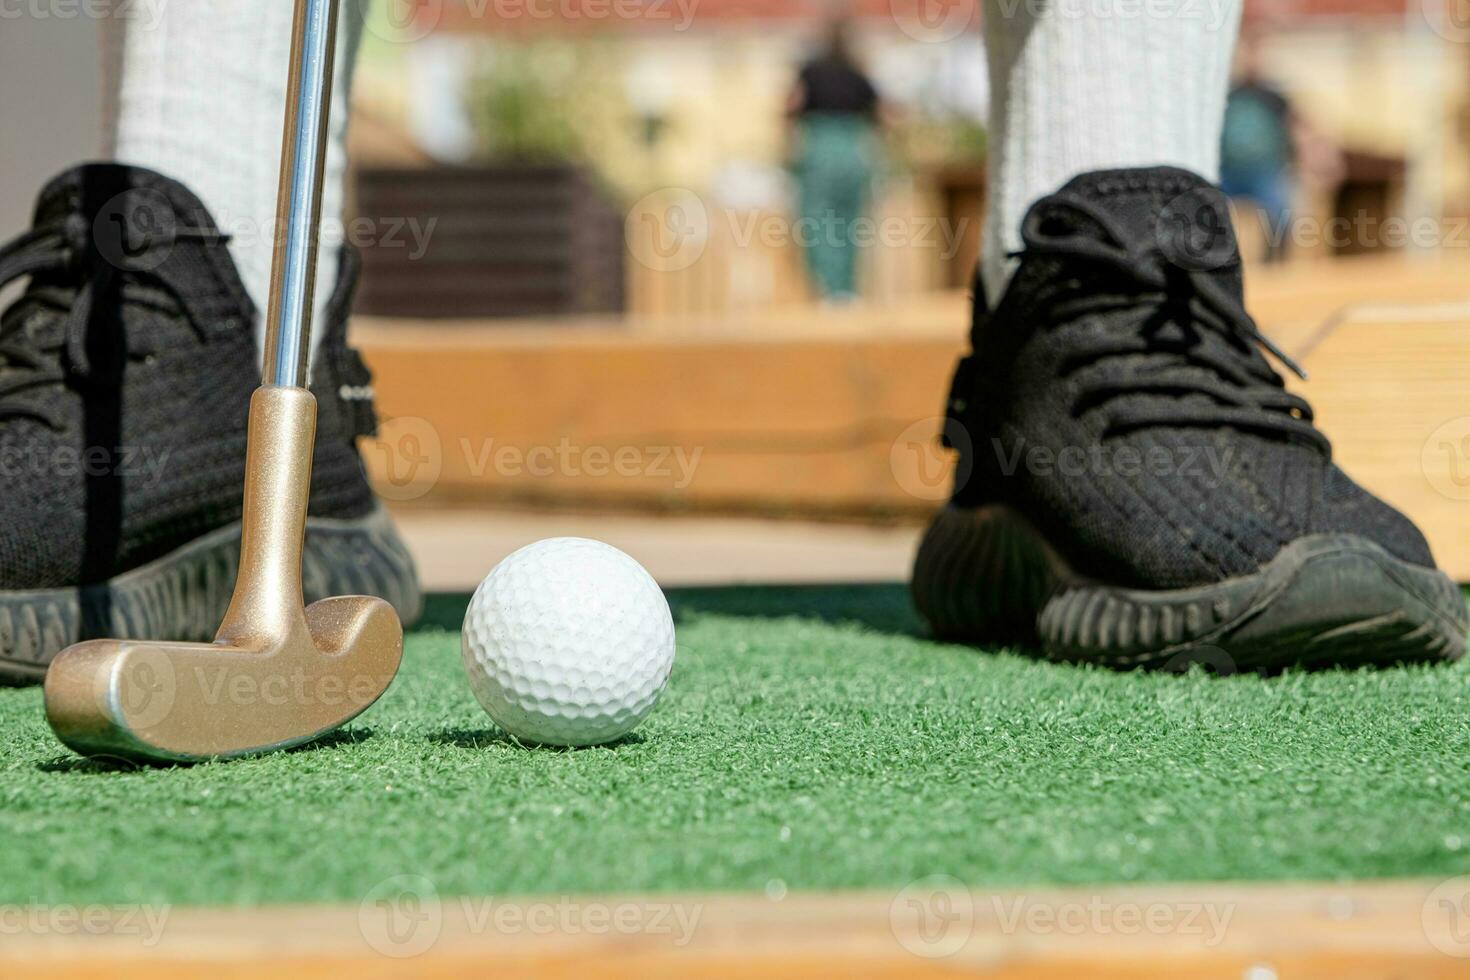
(277, 674)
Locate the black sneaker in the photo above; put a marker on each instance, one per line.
(126, 369)
(1136, 486)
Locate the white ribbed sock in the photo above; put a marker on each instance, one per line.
(1079, 85)
(199, 94)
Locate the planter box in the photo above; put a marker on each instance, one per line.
(506, 241)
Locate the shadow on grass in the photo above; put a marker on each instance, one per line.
(882, 607)
(442, 611)
(480, 738)
(885, 608)
(99, 765)
(95, 765)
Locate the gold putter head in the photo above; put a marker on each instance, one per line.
(276, 675)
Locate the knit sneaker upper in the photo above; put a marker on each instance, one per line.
(126, 369)
(1118, 397)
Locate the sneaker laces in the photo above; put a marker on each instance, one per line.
(1239, 387)
(29, 361)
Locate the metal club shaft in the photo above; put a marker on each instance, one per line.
(299, 207)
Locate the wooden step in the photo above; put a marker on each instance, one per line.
(833, 412)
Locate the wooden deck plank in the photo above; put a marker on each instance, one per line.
(833, 413)
(1403, 929)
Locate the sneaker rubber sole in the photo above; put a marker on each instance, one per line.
(986, 576)
(183, 595)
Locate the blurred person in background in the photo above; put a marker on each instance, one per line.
(833, 111)
(1258, 147)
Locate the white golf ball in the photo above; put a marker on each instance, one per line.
(568, 642)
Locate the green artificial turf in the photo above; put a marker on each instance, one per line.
(810, 739)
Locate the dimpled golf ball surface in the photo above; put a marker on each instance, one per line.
(568, 642)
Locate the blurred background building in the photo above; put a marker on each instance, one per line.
(637, 109)
(671, 102)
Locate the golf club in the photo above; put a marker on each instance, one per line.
(277, 674)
